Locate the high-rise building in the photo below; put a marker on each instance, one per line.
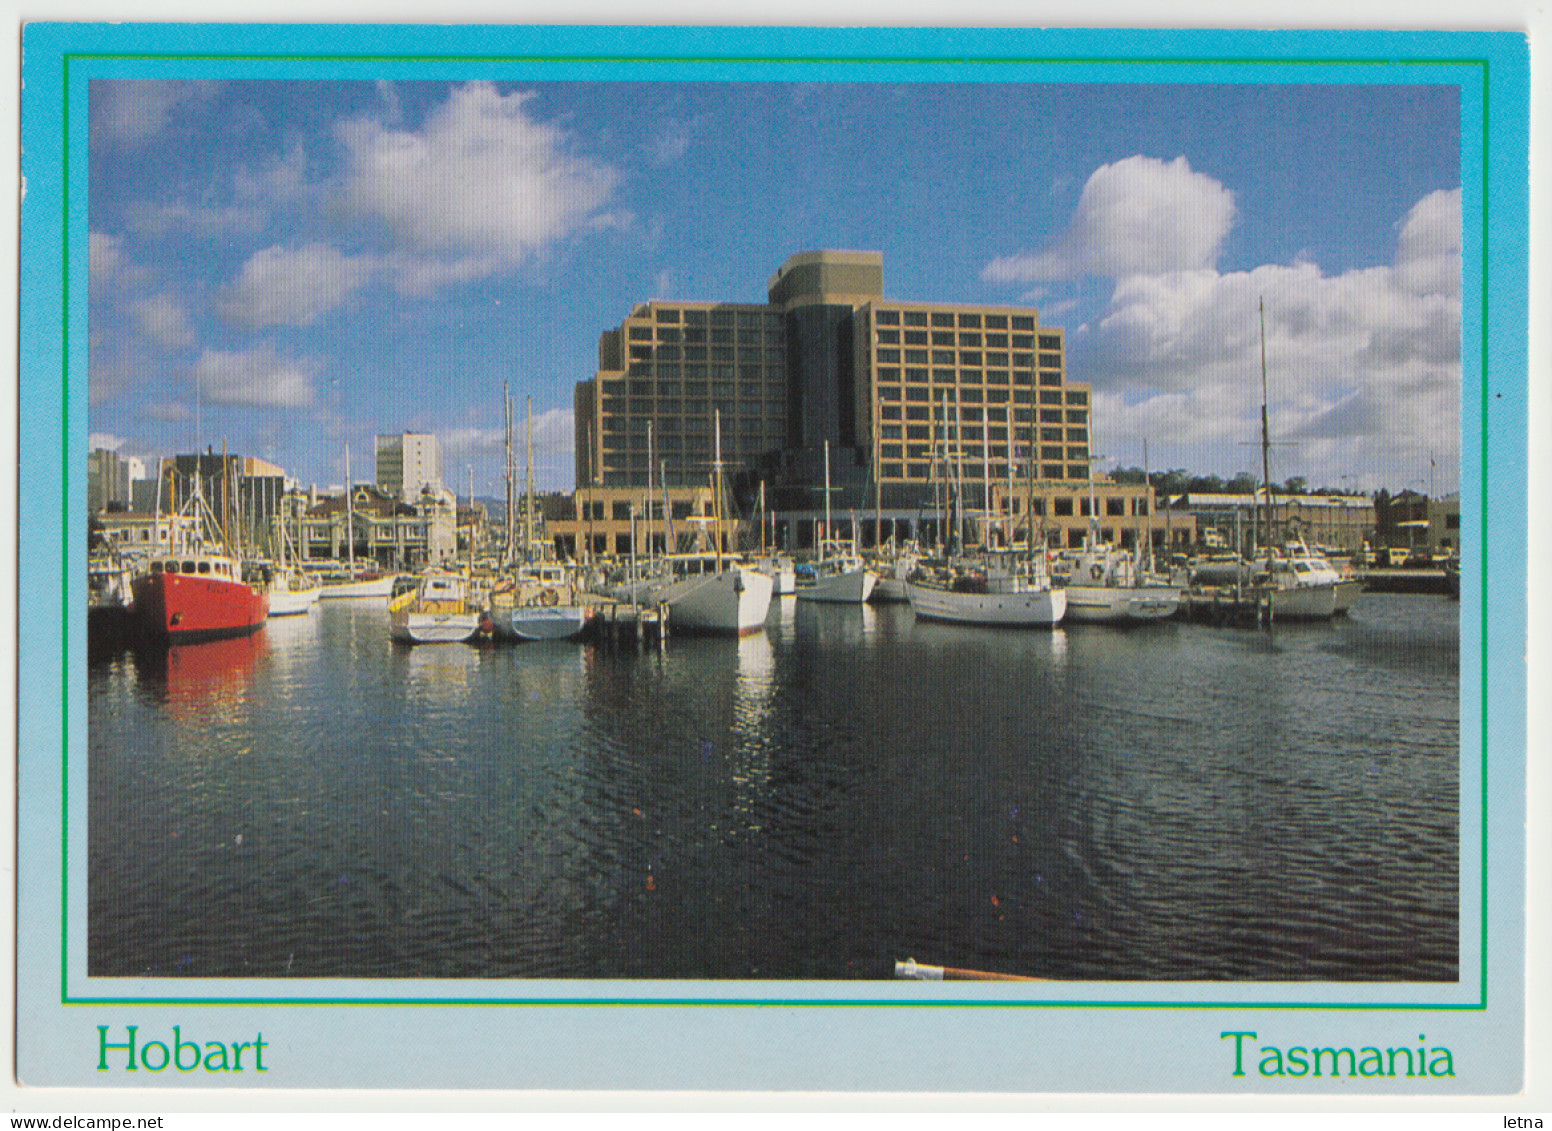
(408, 463)
(107, 481)
(902, 394)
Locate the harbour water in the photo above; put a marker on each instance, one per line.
(850, 787)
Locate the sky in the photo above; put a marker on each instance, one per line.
(293, 267)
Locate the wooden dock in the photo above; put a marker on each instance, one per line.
(624, 625)
(1229, 604)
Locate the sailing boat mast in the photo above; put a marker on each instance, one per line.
(350, 527)
(511, 540)
(716, 502)
(528, 520)
(1266, 441)
(827, 534)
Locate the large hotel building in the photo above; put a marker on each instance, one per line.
(905, 394)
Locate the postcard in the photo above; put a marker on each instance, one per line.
(587, 558)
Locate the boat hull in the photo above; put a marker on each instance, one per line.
(1121, 604)
(175, 608)
(369, 587)
(1035, 608)
(1306, 602)
(735, 601)
(850, 588)
(435, 628)
(539, 622)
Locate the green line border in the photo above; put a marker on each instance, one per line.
(750, 60)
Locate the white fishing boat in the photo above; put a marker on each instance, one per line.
(1304, 585)
(1107, 585)
(291, 592)
(540, 601)
(991, 596)
(705, 593)
(435, 608)
(840, 575)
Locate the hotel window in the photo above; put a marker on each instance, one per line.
(889, 432)
(641, 333)
(1050, 342)
(940, 318)
(916, 357)
(1115, 507)
(918, 432)
(970, 340)
(970, 395)
(748, 356)
(1023, 322)
(1023, 361)
(1023, 341)
(722, 372)
(668, 353)
(997, 396)
(1051, 434)
(918, 412)
(722, 335)
(889, 375)
(1050, 453)
(887, 317)
(1023, 396)
(1077, 396)
(695, 317)
(889, 337)
(1051, 360)
(1050, 377)
(917, 393)
(943, 357)
(1054, 471)
(1048, 397)
(666, 315)
(1022, 415)
(890, 394)
(641, 353)
(996, 376)
(915, 317)
(890, 471)
(996, 359)
(889, 357)
(971, 358)
(1077, 416)
(1080, 435)
(918, 471)
(999, 435)
(667, 369)
(915, 374)
(695, 373)
(695, 353)
(943, 376)
(916, 337)
(940, 338)
(1023, 377)
(970, 416)
(996, 321)
(997, 341)
(668, 407)
(668, 334)
(972, 320)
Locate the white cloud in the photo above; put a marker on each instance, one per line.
(481, 186)
(163, 319)
(105, 440)
(133, 111)
(1428, 255)
(201, 220)
(1363, 366)
(105, 253)
(1137, 216)
(169, 411)
(258, 377)
(281, 286)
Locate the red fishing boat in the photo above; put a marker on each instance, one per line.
(195, 596)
